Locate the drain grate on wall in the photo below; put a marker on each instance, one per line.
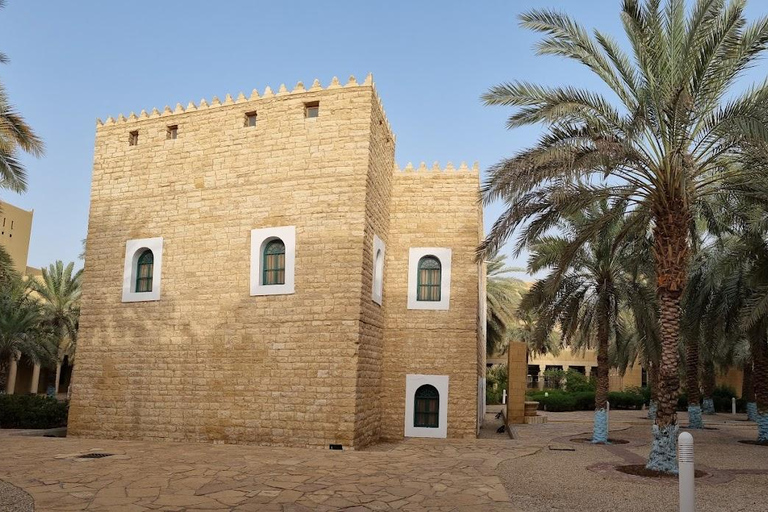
(94, 455)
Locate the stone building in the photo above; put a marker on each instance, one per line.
(258, 270)
(24, 376)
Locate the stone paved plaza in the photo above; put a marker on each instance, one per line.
(541, 470)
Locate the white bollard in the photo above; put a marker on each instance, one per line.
(504, 396)
(733, 405)
(686, 472)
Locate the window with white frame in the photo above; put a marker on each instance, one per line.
(273, 260)
(429, 278)
(142, 269)
(426, 405)
(379, 253)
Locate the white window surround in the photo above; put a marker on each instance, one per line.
(259, 238)
(444, 255)
(133, 249)
(414, 382)
(379, 253)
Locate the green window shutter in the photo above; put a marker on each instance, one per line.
(144, 268)
(273, 263)
(426, 407)
(428, 279)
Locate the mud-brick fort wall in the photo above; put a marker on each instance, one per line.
(208, 361)
(433, 207)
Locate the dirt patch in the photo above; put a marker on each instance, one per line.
(588, 440)
(641, 470)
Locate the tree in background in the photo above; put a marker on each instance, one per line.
(22, 330)
(677, 135)
(587, 287)
(59, 295)
(502, 294)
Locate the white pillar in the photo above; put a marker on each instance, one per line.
(35, 379)
(10, 386)
(686, 472)
(58, 378)
(542, 368)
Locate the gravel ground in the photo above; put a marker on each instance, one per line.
(13, 499)
(554, 480)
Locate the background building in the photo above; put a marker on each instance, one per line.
(258, 270)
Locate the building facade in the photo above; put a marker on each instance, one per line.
(258, 270)
(24, 376)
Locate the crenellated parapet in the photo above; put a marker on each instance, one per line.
(215, 102)
(449, 168)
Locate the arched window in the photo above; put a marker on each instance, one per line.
(428, 287)
(144, 267)
(426, 407)
(274, 262)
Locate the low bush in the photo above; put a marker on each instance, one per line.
(32, 411)
(629, 399)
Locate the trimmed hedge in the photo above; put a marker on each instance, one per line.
(32, 411)
(561, 401)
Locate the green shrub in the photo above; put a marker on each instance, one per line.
(32, 411)
(629, 399)
(577, 382)
(585, 400)
(682, 402)
(493, 396)
(557, 402)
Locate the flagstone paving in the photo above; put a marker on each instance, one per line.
(411, 475)
(541, 470)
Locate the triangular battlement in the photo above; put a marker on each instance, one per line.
(241, 98)
(436, 168)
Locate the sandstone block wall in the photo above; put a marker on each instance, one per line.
(324, 365)
(433, 208)
(208, 361)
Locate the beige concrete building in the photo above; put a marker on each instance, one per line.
(259, 270)
(24, 376)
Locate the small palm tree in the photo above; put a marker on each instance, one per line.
(676, 136)
(584, 293)
(503, 294)
(59, 292)
(21, 328)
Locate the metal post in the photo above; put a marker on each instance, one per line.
(733, 405)
(686, 475)
(504, 396)
(608, 417)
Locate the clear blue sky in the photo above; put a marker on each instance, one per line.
(72, 62)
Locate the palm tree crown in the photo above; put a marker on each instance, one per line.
(675, 136)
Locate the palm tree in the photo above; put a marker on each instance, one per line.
(21, 328)
(584, 292)
(15, 135)
(676, 136)
(538, 341)
(59, 292)
(503, 294)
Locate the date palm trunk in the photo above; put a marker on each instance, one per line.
(708, 381)
(653, 378)
(760, 376)
(692, 383)
(748, 390)
(600, 430)
(671, 252)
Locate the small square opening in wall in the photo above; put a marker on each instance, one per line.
(133, 138)
(334, 447)
(250, 118)
(312, 109)
(172, 132)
